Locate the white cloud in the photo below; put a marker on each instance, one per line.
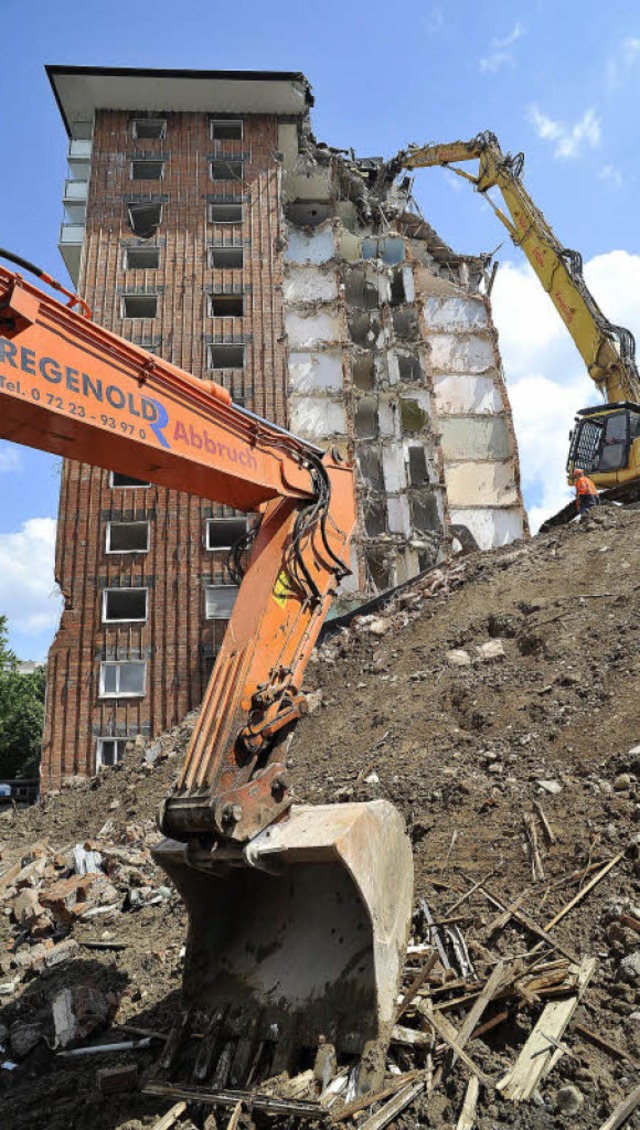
(569, 140)
(499, 54)
(546, 377)
(508, 40)
(9, 457)
(27, 588)
(612, 175)
(622, 62)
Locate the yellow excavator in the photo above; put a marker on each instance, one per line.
(605, 441)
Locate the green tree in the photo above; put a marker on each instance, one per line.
(21, 713)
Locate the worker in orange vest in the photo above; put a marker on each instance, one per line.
(586, 491)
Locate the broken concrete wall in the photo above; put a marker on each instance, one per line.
(392, 357)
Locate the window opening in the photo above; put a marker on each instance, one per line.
(219, 601)
(409, 368)
(424, 511)
(226, 356)
(366, 418)
(227, 305)
(363, 372)
(139, 305)
(126, 679)
(109, 751)
(142, 258)
(413, 418)
(226, 170)
(124, 604)
(144, 219)
(226, 213)
(149, 128)
(222, 533)
(418, 472)
(227, 258)
(127, 537)
(120, 480)
(226, 130)
(147, 170)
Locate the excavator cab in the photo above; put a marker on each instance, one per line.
(605, 442)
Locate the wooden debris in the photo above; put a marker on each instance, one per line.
(537, 866)
(233, 1121)
(470, 1021)
(540, 1053)
(584, 891)
(606, 1045)
(410, 1037)
(622, 1111)
(632, 923)
(192, 1094)
(489, 1024)
(297, 1086)
(171, 1117)
(393, 1108)
(450, 1036)
(548, 831)
(174, 1039)
(527, 921)
(475, 1012)
(508, 912)
(133, 1028)
(468, 1112)
(368, 1100)
(476, 886)
(416, 984)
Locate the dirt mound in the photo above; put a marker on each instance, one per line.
(495, 702)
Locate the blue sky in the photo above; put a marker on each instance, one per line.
(560, 81)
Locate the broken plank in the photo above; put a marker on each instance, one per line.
(171, 1117)
(235, 1117)
(393, 1107)
(548, 830)
(540, 1053)
(471, 1019)
(528, 922)
(416, 984)
(193, 1094)
(468, 1112)
(449, 1035)
(584, 891)
(476, 886)
(537, 867)
(475, 1012)
(410, 1037)
(489, 1024)
(368, 1100)
(297, 1086)
(622, 1111)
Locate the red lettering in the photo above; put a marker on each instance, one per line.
(209, 444)
(180, 433)
(194, 438)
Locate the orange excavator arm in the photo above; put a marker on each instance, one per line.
(298, 914)
(69, 387)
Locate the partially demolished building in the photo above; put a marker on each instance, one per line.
(204, 222)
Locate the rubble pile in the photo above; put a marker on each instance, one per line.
(495, 702)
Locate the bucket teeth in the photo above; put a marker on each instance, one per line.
(303, 933)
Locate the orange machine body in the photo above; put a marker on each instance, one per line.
(72, 388)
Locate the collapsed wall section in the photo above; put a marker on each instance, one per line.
(393, 357)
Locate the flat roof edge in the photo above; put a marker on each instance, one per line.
(55, 71)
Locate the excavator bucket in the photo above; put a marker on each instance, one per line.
(299, 936)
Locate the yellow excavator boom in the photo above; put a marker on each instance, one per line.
(608, 351)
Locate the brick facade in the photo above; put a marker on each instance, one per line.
(175, 640)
